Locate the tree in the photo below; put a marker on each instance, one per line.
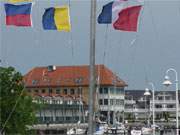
(17, 109)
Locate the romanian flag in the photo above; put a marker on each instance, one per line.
(57, 19)
(18, 15)
(16, 1)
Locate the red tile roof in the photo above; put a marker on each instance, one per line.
(70, 76)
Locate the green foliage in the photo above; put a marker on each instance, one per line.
(12, 91)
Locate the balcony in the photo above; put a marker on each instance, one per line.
(140, 110)
(129, 102)
(164, 101)
(164, 109)
(111, 107)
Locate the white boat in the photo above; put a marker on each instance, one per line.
(101, 129)
(146, 131)
(77, 131)
(136, 132)
(119, 129)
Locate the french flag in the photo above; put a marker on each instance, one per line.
(18, 15)
(122, 17)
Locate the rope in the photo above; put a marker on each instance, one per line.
(105, 44)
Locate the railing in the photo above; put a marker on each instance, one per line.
(111, 107)
(129, 101)
(136, 110)
(164, 101)
(61, 120)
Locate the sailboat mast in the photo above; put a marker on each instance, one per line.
(92, 66)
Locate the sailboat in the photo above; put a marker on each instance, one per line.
(76, 130)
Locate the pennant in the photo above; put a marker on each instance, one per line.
(18, 15)
(16, 1)
(57, 19)
(128, 19)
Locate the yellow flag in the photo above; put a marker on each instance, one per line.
(16, 1)
(62, 18)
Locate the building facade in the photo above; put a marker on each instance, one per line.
(63, 92)
(139, 107)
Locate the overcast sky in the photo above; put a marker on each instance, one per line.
(136, 57)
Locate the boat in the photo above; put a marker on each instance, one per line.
(147, 131)
(101, 128)
(136, 131)
(76, 131)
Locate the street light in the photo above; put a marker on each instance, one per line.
(146, 93)
(153, 116)
(167, 82)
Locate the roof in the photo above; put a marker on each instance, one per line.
(70, 76)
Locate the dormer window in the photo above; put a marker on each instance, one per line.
(34, 82)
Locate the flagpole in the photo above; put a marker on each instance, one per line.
(92, 66)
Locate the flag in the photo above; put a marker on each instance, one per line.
(16, 1)
(109, 10)
(128, 19)
(115, 12)
(105, 16)
(18, 15)
(56, 19)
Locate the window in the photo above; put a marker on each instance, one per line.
(65, 91)
(79, 91)
(43, 91)
(112, 90)
(58, 91)
(29, 90)
(158, 106)
(170, 106)
(160, 98)
(100, 102)
(36, 91)
(101, 91)
(72, 92)
(119, 90)
(168, 98)
(105, 90)
(111, 101)
(105, 101)
(50, 90)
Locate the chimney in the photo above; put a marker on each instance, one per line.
(51, 68)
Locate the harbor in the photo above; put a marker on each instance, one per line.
(74, 67)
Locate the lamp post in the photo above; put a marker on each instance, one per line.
(146, 93)
(167, 82)
(153, 115)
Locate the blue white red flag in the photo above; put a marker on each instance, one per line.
(121, 15)
(18, 15)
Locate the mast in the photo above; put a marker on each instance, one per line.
(92, 66)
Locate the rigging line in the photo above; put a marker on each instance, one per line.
(97, 86)
(71, 36)
(146, 76)
(71, 43)
(153, 23)
(136, 40)
(105, 44)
